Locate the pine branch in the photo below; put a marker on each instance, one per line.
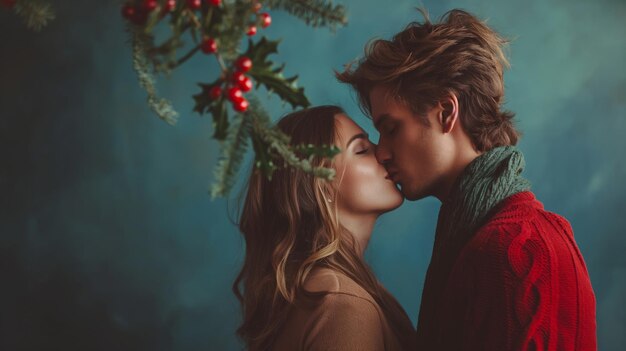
(186, 57)
(140, 42)
(35, 13)
(168, 50)
(315, 13)
(232, 155)
(232, 23)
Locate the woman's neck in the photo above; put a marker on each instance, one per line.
(360, 226)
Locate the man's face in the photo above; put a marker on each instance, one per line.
(416, 155)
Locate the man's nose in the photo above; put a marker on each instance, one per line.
(383, 156)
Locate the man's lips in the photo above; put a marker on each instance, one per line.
(391, 176)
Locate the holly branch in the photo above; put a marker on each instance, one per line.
(217, 29)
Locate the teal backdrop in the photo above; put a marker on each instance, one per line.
(109, 239)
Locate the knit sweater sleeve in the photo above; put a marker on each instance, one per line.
(508, 285)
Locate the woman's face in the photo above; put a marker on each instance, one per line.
(362, 182)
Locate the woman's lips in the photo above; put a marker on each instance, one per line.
(391, 176)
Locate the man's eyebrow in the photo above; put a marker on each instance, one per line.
(381, 119)
(357, 136)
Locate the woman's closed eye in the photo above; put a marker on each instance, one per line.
(363, 147)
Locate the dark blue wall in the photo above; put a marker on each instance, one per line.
(109, 239)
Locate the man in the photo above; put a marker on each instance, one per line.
(505, 274)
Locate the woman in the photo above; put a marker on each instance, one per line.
(304, 284)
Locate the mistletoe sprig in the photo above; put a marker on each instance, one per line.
(36, 14)
(270, 145)
(217, 29)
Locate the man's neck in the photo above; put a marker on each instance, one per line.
(456, 170)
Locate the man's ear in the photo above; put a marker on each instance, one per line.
(449, 112)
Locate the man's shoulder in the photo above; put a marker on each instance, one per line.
(516, 208)
(520, 211)
(519, 220)
(519, 238)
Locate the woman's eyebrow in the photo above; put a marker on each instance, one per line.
(357, 136)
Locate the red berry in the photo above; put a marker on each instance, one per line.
(251, 30)
(235, 95)
(257, 7)
(128, 11)
(215, 2)
(169, 6)
(8, 3)
(246, 84)
(238, 77)
(209, 46)
(215, 92)
(140, 17)
(243, 64)
(194, 4)
(266, 19)
(241, 106)
(150, 5)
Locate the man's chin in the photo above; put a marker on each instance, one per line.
(411, 194)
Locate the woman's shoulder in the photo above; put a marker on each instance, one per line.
(346, 316)
(333, 282)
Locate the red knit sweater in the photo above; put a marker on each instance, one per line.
(519, 284)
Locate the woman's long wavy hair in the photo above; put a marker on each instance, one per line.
(290, 227)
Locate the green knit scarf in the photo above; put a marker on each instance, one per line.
(485, 182)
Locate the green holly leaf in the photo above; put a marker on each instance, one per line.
(271, 77)
(216, 108)
(259, 52)
(203, 100)
(220, 120)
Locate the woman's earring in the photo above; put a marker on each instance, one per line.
(328, 199)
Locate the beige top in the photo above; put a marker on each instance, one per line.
(347, 318)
